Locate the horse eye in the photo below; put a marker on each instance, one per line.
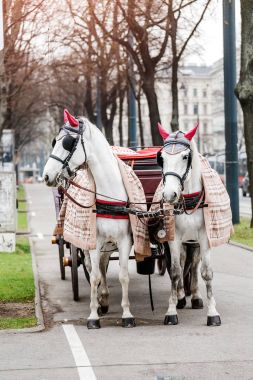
(53, 142)
(185, 157)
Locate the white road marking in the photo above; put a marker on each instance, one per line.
(84, 368)
(40, 235)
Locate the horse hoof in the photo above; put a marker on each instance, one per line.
(128, 322)
(93, 324)
(181, 303)
(170, 320)
(104, 309)
(214, 320)
(197, 303)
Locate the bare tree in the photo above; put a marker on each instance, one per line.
(244, 88)
(182, 28)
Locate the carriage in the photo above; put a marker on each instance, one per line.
(188, 187)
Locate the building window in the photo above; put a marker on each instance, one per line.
(195, 109)
(205, 109)
(204, 93)
(195, 92)
(205, 128)
(185, 109)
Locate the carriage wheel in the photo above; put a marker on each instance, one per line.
(187, 284)
(161, 264)
(167, 256)
(86, 273)
(74, 272)
(61, 256)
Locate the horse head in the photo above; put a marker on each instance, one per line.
(68, 150)
(176, 158)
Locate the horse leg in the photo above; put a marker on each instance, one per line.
(124, 246)
(213, 317)
(104, 295)
(95, 276)
(196, 301)
(87, 261)
(180, 288)
(175, 275)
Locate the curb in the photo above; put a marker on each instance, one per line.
(240, 245)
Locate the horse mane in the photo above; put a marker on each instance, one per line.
(195, 157)
(97, 134)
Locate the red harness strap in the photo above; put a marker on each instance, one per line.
(109, 211)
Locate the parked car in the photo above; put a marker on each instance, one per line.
(245, 185)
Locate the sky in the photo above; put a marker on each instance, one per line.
(211, 34)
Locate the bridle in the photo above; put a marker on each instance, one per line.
(70, 144)
(170, 143)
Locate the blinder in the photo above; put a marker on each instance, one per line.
(68, 142)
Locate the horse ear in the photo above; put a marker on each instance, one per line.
(162, 131)
(190, 134)
(71, 119)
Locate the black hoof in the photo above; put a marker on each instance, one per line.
(104, 309)
(93, 324)
(128, 322)
(197, 303)
(214, 321)
(181, 303)
(170, 320)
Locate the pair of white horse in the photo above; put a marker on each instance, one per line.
(78, 142)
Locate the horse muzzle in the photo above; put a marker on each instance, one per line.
(170, 197)
(49, 182)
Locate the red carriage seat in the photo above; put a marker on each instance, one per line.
(145, 166)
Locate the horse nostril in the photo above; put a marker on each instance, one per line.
(175, 195)
(46, 178)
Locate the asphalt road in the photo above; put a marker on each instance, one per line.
(190, 350)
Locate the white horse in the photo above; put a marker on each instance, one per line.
(181, 172)
(80, 142)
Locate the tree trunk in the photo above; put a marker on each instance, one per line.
(148, 87)
(120, 126)
(88, 104)
(174, 92)
(244, 88)
(140, 120)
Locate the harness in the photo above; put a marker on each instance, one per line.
(187, 202)
(69, 143)
(173, 145)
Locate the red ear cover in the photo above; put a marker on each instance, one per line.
(71, 119)
(162, 131)
(189, 135)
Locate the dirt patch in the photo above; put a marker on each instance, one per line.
(16, 309)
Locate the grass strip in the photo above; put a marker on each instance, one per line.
(243, 233)
(17, 323)
(22, 222)
(16, 275)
